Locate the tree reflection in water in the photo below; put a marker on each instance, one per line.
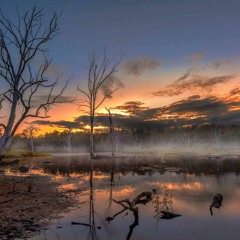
(127, 205)
(92, 234)
(112, 180)
(162, 205)
(202, 178)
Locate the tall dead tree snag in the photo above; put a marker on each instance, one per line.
(114, 122)
(111, 132)
(23, 71)
(101, 85)
(69, 142)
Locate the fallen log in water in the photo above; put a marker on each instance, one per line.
(85, 224)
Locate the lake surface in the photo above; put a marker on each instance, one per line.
(184, 186)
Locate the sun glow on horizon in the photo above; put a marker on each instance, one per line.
(168, 108)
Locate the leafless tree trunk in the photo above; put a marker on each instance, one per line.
(92, 229)
(22, 45)
(187, 136)
(111, 132)
(1, 125)
(217, 134)
(101, 79)
(69, 142)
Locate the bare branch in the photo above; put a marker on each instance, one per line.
(20, 42)
(85, 93)
(98, 75)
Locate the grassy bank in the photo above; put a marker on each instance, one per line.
(25, 153)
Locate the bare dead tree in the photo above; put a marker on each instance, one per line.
(111, 131)
(101, 85)
(68, 140)
(24, 67)
(1, 125)
(218, 133)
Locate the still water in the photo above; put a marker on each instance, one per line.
(183, 186)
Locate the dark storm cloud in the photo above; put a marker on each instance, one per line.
(124, 122)
(84, 119)
(151, 113)
(185, 76)
(132, 107)
(139, 65)
(209, 82)
(189, 82)
(235, 91)
(194, 97)
(204, 110)
(99, 120)
(138, 114)
(209, 106)
(102, 120)
(216, 64)
(110, 85)
(136, 109)
(38, 99)
(231, 118)
(61, 123)
(169, 92)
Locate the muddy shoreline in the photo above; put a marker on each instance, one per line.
(28, 204)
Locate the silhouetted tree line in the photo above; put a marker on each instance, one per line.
(183, 138)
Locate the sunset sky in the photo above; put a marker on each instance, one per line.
(180, 59)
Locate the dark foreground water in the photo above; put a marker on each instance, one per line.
(184, 186)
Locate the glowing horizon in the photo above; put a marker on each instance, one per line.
(169, 71)
(221, 92)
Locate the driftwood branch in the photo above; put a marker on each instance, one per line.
(85, 224)
(142, 198)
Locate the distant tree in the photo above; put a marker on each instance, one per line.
(186, 134)
(55, 139)
(114, 130)
(29, 133)
(23, 70)
(69, 139)
(100, 80)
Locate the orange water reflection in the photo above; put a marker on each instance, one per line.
(191, 196)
